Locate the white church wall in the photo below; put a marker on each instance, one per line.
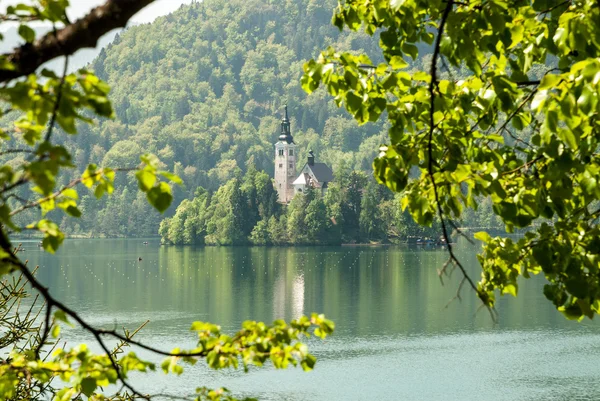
(285, 170)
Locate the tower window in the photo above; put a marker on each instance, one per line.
(280, 152)
(280, 165)
(291, 165)
(291, 152)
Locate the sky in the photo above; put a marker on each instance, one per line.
(149, 14)
(77, 9)
(80, 7)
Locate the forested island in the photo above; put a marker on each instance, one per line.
(245, 210)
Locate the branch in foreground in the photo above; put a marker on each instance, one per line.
(52, 302)
(432, 127)
(83, 33)
(248, 341)
(55, 195)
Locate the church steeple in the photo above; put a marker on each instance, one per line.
(286, 133)
(285, 161)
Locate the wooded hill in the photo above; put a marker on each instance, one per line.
(203, 88)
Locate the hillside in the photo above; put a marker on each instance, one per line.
(203, 88)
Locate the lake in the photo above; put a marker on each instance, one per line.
(396, 338)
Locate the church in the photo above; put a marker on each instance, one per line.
(287, 182)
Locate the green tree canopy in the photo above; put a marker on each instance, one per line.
(506, 109)
(204, 87)
(40, 112)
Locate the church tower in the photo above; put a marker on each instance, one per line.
(285, 161)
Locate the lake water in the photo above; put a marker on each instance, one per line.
(395, 338)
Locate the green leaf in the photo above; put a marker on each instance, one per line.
(569, 137)
(397, 62)
(61, 316)
(549, 81)
(411, 50)
(538, 100)
(516, 35)
(482, 236)
(396, 4)
(160, 197)
(53, 236)
(73, 211)
(88, 386)
(308, 363)
(100, 190)
(510, 289)
(171, 177)
(27, 33)
(146, 179)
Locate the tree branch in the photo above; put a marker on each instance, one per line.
(58, 99)
(62, 190)
(12, 151)
(517, 110)
(430, 166)
(83, 33)
(52, 302)
(564, 3)
(528, 83)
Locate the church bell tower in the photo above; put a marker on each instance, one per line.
(285, 161)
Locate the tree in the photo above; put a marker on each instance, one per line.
(41, 111)
(260, 233)
(277, 229)
(348, 211)
(297, 232)
(333, 204)
(316, 221)
(229, 224)
(370, 219)
(519, 126)
(351, 205)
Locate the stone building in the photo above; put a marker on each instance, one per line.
(285, 161)
(287, 183)
(314, 175)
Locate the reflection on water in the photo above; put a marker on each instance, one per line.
(395, 337)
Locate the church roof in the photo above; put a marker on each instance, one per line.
(322, 172)
(301, 180)
(286, 132)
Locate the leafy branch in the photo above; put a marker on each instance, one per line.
(70, 185)
(256, 342)
(430, 165)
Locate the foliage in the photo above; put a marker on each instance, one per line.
(353, 209)
(203, 89)
(519, 126)
(19, 330)
(42, 177)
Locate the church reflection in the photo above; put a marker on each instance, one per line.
(366, 291)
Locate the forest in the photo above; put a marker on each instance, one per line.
(203, 89)
(353, 210)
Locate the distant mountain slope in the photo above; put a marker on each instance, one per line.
(203, 88)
